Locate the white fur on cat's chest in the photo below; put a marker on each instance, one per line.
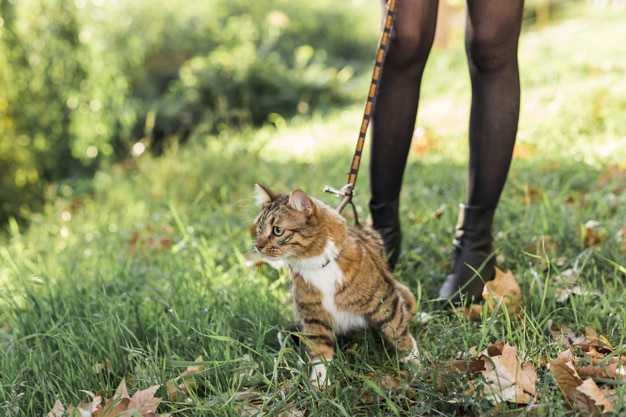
(323, 273)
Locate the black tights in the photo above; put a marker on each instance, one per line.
(491, 39)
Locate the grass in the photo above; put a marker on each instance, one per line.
(144, 273)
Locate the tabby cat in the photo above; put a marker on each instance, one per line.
(340, 279)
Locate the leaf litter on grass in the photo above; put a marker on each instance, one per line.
(503, 292)
(504, 379)
(121, 404)
(586, 388)
(581, 394)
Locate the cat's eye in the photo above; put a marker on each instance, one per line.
(278, 231)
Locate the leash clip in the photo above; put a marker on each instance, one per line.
(345, 193)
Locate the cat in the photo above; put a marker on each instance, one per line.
(340, 279)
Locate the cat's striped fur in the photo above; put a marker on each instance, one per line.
(340, 279)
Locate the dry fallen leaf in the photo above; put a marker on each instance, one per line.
(145, 402)
(603, 367)
(180, 387)
(121, 404)
(57, 409)
(584, 394)
(593, 394)
(566, 376)
(591, 234)
(502, 291)
(90, 408)
(506, 379)
(590, 339)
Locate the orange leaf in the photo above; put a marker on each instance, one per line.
(113, 407)
(502, 291)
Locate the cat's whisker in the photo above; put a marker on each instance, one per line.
(247, 203)
(253, 258)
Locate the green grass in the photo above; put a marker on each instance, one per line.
(82, 306)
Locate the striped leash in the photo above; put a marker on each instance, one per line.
(347, 191)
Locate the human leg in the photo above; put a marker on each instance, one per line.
(492, 35)
(393, 118)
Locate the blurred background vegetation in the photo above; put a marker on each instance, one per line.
(91, 82)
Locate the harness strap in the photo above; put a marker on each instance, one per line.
(347, 191)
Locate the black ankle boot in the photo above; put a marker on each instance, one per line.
(386, 221)
(472, 252)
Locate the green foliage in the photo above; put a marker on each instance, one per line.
(35, 121)
(82, 81)
(88, 79)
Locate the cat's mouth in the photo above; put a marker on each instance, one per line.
(270, 252)
(256, 257)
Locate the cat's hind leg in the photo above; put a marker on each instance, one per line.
(392, 318)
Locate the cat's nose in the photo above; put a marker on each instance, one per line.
(259, 245)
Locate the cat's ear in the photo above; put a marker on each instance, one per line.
(263, 195)
(301, 202)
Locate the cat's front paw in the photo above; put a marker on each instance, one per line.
(412, 357)
(319, 376)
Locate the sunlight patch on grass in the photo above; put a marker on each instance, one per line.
(304, 139)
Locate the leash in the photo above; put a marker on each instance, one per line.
(347, 191)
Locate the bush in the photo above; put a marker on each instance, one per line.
(90, 78)
(37, 123)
